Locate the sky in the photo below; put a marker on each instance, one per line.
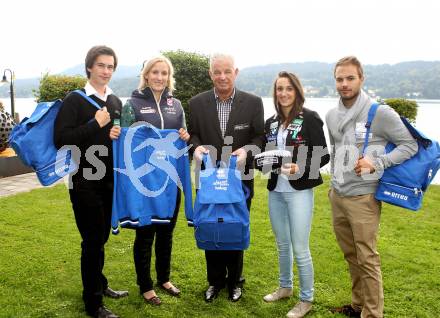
(51, 36)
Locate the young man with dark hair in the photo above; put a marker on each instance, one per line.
(80, 124)
(356, 212)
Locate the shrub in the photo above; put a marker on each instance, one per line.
(191, 74)
(54, 87)
(404, 107)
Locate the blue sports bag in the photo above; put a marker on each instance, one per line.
(404, 184)
(32, 141)
(221, 217)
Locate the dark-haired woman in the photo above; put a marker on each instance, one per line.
(300, 131)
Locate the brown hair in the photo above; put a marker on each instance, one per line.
(299, 97)
(96, 51)
(350, 60)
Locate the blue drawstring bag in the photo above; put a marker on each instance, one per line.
(221, 217)
(404, 184)
(32, 141)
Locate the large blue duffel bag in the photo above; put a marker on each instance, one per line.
(221, 216)
(404, 184)
(32, 140)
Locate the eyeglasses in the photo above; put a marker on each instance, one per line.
(103, 66)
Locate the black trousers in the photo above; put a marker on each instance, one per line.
(225, 267)
(92, 206)
(142, 249)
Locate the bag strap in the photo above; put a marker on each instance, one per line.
(423, 140)
(207, 162)
(232, 162)
(371, 114)
(91, 101)
(246, 191)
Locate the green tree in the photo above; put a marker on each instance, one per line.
(191, 74)
(404, 107)
(54, 87)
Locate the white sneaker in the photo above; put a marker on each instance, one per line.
(300, 310)
(278, 294)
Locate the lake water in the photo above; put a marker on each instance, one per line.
(427, 116)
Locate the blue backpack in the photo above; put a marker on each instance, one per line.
(404, 184)
(32, 141)
(221, 217)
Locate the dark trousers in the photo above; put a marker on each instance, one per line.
(92, 206)
(163, 245)
(225, 267)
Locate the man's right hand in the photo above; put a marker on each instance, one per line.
(102, 116)
(199, 151)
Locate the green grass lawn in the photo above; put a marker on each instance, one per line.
(40, 274)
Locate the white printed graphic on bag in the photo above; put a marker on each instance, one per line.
(222, 180)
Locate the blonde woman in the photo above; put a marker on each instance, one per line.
(154, 103)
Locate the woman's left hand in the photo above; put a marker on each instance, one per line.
(115, 131)
(183, 134)
(289, 168)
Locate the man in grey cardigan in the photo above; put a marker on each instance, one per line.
(356, 213)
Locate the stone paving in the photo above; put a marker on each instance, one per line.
(20, 183)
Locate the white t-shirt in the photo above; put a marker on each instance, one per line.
(283, 184)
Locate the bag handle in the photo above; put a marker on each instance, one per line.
(91, 101)
(247, 191)
(207, 162)
(371, 114)
(232, 162)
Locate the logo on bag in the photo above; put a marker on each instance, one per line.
(221, 185)
(221, 174)
(396, 195)
(59, 170)
(222, 180)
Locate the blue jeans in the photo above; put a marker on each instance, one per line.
(291, 218)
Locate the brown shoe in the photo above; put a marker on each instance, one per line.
(173, 290)
(346, 310)
(155, 301)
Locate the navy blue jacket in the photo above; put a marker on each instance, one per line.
(142, 106)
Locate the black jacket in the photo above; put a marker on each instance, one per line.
(304, 133)
(245, 125)
(76, 125)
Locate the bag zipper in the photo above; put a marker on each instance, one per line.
(415, 190)
(68, 163)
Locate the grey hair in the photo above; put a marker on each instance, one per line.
(218, 56)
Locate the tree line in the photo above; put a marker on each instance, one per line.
(414, 80)
(191, 74)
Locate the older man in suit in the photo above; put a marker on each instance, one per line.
(230, 119)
